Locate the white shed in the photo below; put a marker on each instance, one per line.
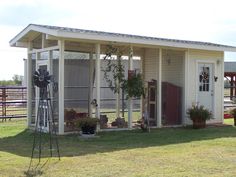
(171, 68)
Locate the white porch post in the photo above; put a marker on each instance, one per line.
(61, 44)
(44, 45)
(118, 97)
(185, 89)
(159, 115)
(90, 96)
(50, 68)
(142, 73)
(25, 72)
(130, 101)
(37, 58)
(222, 86)
(29, 85)
(98, 82)
(117, 103)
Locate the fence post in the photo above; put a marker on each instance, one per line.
(4, 110)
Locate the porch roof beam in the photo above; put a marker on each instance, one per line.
(44, 49)
(117, 44)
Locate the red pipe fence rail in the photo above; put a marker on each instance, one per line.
(13, 102)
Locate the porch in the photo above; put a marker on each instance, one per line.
(78, 79)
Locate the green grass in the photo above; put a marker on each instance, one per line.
(11, 110)
(163, 152)
(229, 121)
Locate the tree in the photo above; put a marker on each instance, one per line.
(133, 86)
(17, 79)
(116, 68)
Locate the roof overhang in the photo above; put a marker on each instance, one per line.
(31, 31)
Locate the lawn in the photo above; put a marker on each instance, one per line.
(163, 152)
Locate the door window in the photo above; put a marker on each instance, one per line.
(204, 80)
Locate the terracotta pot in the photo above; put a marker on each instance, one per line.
(199, 123)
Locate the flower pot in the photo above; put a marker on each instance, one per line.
(199, 123)
(88, 129)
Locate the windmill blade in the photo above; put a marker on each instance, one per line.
(41, 78)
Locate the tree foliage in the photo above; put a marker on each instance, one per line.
(133, 87)
(16, 80)
(115, 67)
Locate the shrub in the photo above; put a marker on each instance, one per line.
(88, 125)
(199, 112)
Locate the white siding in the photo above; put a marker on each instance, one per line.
(150, 64)
(173, 67)
(218, 59)
(173, 72)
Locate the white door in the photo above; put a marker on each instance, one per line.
(205, 85)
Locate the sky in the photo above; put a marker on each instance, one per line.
(201, 20)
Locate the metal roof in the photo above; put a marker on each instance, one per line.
(230, 67)
(60, 31)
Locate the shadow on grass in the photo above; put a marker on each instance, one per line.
(72, 145)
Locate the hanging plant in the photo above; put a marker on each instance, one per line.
(134, 86)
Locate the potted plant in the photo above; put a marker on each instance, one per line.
(233, 112)
(88, 125)
(199, 115)
(119, 122)
(70, 116)
(103, 121)
(134, 86)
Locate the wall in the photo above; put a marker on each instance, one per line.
(218, 59)
(172, 71)
(173, 67)
(150, 64)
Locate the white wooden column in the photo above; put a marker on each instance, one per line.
(29, 85)
(37, 94)
(98, 76)
(90, 95)
(61, 44)
(50, 69)
(44, 44)
(159, 114)
(130, 101)
(118, 97)
(142, 73)
(221, 63)
(185, 88)
(25, 71)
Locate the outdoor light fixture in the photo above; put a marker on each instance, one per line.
(215, 78)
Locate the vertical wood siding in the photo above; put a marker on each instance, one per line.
(198, 55)
(172, 67)
(150, 63)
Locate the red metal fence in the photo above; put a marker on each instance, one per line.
(12, 102)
